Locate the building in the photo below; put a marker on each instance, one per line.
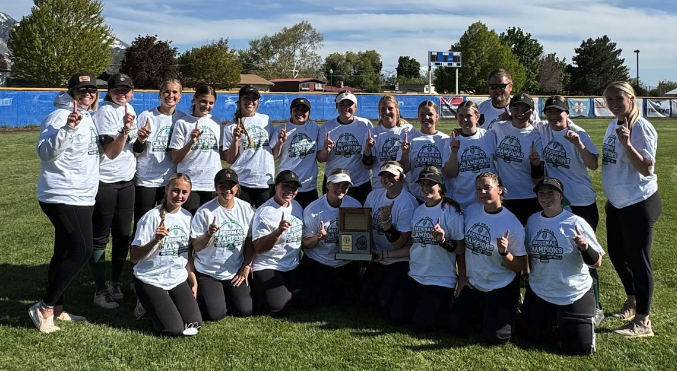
(298, 85)
(258, 82)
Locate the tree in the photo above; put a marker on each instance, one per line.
(482, 52)
(3, 63)
(408, 68)
(212, 64)
(596, 64)
(149, 61)
(552, 75)
(58, 39)
(290, 53)
(528, 51)
(358, 70)
(663, 87)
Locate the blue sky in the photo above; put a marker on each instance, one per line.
(395, 28)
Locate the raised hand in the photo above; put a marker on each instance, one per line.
(370, 143)
(328, 143)
(623, 132)
(128, 119)
(282, 137)
(580, 240)
(75, 117)
(213, 228)
(502, 243)
(161, 231)
(406, 146)
(534, 157)
(196, 133)
(574, 138)
(321, 233)
(455, 144)
(284, 225)
(238, 131)
(144, 132)
(438, 232)
(386, 211)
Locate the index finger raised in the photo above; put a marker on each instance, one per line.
(75, 106)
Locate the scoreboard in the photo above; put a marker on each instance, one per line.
(445, 59)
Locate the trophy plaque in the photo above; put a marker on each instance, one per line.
(354, 234)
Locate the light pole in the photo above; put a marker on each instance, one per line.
(331, 78)
(637, 52)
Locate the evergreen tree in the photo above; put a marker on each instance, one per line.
(3, 63)
(408, 68)
(58, 39)
(149, 61)
(212, 64)
(596, 64)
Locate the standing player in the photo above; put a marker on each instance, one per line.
(497, 108)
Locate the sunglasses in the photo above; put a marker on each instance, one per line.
(498, 86)
(86, 90)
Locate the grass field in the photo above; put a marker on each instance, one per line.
(337, 338)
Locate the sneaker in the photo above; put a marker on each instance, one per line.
(598, 317)
(139, 311)
(633, 329)
(68, 317)
(115, 289)
(105, 300)
(45, 325)
(628, 311)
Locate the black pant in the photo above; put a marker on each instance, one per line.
(257, 196)
(422, 305)
(197, 199)
(591, 215)
(216, 298)
(359, 192)
(629, 235)
(72, 247)
(145, 198)
(329, 285)
(498, 308)
(569, 326)
(305, 198)
(381, 282)
(171, 311)
(523, 208)
(113, 214)
(276, 291)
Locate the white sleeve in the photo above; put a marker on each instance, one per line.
(178, 139)
(516, 240)
(261, 225)
(107, 121)
(56, 136)
(145, 230)
(453, 224)
(310, 224)
(645, 141)
(200, 223)
(403, 217)
(227, 136)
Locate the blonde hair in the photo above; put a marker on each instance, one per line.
(338, 171)
(470, 106)
(172, 179)
(629, 92)
(392, 99)
(427, 103)
(171, 81)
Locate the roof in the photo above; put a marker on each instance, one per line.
(672, 92)
(301, 79)
(337, 89)
(251, 79)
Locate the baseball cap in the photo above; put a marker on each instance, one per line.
(81, 79)
(522, 98)
(248, 89)
(287, 176)
(346, 95)
(120, 79)
(429, 176)
(339, 178)
(225, 175)
(300, 102)
(550, 183)
(392, 168)
(560, 103)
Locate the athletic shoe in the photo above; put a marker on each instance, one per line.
(191, 329)
(45, 325)
(105, 300)
(139, 311)
(115, 289)
(68, 317)
(633, 329)
(628, 311)
(598, 317)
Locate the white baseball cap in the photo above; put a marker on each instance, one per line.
(343, 96)
(338, 178)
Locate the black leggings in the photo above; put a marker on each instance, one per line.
(145, 198)
(216, 298)
(381, 282)
(197, 199)
(257, 196)
(359, 192)
(523, 208)
(591, 215)
(113, 214)
(629, 235)
(171, 311)
(276, 291)
(305, 198)
(72, 247)
(498, 308)
(329, 285)
(569, 326)
(422, 305)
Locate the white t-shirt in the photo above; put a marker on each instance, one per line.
(564, 162)
(558, 273)
(203, 160)
(284, 256)
(491, 114)
(298, 152)
(388, 142)
(348, 147)
(165, 265)
(255, 166)
(154, 166)
(483, 263)
(622, 183)
(320, 211)
(400, 217)
(475, 155)
(513, 146)
(429, 263)
(224, 255)
(426, 150)
(109, 121)
(69, 158)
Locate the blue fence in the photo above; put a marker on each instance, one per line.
(19, 108)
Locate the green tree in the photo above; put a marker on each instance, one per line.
(58, 39)
(3, 63)
(408, 68)
(212, 64)
(149, 61)
(528, 51)
(482, 52)
(663, 87)
(290, 53)
(552, 75)
(596, 64)
(358, 70)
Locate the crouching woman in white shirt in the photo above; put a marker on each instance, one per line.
(559, 299)
(162, 281)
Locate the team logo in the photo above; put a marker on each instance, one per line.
(175, 242)
(347, 145)
(258, 135)
(208, 141)
(376, 221)
(389, 149)
(361, 243)
(93, 147)
(161, 140)
(301, 146)
(544, 246)
(295, 231)
(556, 155)
(492, 123)
(510, 149)
(332, 231)
(474, 159)
(609, 155)
(422, 232)
(579, 107)
(230, 236)
(429, 155)
(478, 239)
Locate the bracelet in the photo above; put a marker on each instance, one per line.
(124, 131)
(504, 254)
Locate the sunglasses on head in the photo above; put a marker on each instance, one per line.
(86, 90)
(498, 86)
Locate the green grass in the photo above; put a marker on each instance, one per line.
(325, 338)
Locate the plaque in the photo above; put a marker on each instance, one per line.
(354, 234)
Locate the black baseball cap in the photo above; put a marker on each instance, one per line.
(300, 102)
(120, 79)
(225, 175)
(80, 80)
(287, 176)
(557, 101)
(248, 89)
(522, 98)
(553, 183)
(429, 176)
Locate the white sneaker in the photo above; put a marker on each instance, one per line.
(104, 300)
(45, 325)
(115, 289)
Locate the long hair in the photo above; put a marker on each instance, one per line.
(629, 92)
(172, 179)
(237, 120)
(392, 99)
(446, 200)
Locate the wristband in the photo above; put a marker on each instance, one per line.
(590, 256)
(538, 172)
(449, 245)
(504, 254)
(367, 160)
(392, 234)
(139, 147)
